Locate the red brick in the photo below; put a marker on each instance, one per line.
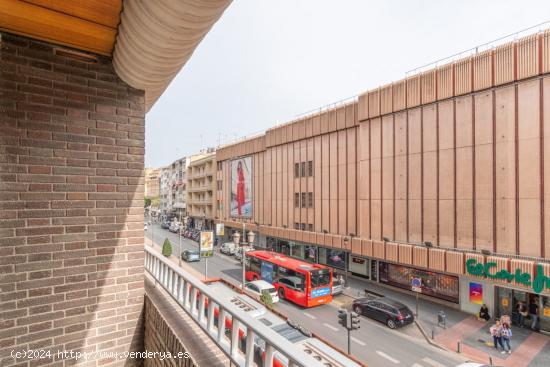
(43, 170)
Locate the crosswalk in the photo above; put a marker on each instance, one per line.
(426, 361)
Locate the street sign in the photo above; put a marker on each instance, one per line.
(206, 244)
(416, 285)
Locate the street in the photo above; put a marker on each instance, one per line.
(373, 343)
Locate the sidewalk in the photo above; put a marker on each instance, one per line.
(528, 348)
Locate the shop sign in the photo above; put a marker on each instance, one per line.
(357, 260)
(539, 283)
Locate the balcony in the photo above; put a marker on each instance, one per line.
(199, 302)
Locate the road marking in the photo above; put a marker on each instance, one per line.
(384, 355)
(331, 327)
(309, 315)
(417, 365)
(358, 341)
(428, 360)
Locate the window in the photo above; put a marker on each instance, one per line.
(303, 225)
(310, 168)
(319, 278)
(303, 199)
(310, 227)
(296, 170)
(297, 226)
(296, 200)
(310, 200)
(303, 170)
(219, 184)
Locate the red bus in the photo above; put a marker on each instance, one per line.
(298, 281)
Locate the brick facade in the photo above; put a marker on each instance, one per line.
(71, 205)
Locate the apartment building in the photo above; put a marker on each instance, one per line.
(152, 183)
(200, 190)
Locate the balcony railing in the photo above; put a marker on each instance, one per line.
(187, 289)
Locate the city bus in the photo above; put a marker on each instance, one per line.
(298, 281)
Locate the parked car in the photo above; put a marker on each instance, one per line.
(337, 287)
(165, 225)
(258, 287)
(239, 251)
(228, 248)
(191, 255)
(391, 312)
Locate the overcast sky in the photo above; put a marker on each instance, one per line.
(267, 61)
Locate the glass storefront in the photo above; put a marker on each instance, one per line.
(507, 304)
(332, 257)
(433, 284)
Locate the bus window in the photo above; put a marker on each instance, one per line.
(254, 264)
(320, 278)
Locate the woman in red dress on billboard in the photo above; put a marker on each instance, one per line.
(240, 187)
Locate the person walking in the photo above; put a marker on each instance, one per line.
(533, 313)
(522, 313)
(506, 337)
(496, 333)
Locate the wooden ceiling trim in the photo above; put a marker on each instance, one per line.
(102, 12)
(38, 22)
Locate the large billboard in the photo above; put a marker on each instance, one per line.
(241, 187)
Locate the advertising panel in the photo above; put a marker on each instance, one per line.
(476, 293)
(206, 244)
(241, 187)
(220, 229)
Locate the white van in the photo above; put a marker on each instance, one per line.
(228, 248)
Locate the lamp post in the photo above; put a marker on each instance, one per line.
(179, 247)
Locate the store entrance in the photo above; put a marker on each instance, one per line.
(507, 303)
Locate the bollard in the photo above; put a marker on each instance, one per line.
(458, 347)
(490, 360)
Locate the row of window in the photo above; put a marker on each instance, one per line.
(303, 200)
(303, 169)
(303, 227)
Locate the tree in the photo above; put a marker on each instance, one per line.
(266, 299)
(167, 248)
(147, 202)
(155, 202)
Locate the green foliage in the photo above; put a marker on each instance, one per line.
(147, 202)
(167, 248)
(266, 299)
(155, 202)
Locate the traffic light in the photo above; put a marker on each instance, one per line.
(343, 318)
(354, 321)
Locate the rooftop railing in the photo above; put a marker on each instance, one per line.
(186, 290)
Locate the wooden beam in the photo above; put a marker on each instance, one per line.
(38, 22)
(102, 12)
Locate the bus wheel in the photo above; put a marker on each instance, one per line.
(281, 293)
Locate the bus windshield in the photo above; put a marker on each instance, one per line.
(320, 278)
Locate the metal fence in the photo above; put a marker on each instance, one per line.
(199, 301)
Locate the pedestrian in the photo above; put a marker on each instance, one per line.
(496, 333)
(506, 336)
(522, 313)
(484, 313)
(533, 312)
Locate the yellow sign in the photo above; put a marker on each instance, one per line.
(505, 302)
(206, 243)
(547, 311)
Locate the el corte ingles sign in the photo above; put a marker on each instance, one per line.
(539, 283)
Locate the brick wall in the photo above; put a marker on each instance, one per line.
(71, 205)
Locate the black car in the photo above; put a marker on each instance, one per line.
(391, 312)
(165, 225)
